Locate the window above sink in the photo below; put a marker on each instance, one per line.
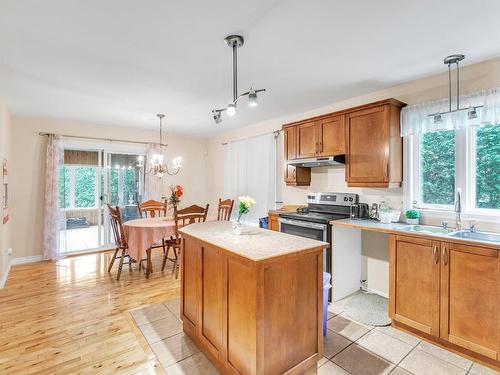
(437, 163)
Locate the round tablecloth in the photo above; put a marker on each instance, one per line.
(142, 233)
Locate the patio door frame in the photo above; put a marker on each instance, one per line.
(104, 150)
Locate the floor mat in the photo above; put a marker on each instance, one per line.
(368, 308)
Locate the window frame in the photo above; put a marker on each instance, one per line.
(465, 173)
(72, 197)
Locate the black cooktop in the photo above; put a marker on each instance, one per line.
(316, 217)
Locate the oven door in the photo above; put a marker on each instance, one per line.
(306, 229)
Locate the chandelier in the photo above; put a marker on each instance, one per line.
(234, 42)
(157, 166)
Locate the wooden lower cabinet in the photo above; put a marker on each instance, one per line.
(470, 298)
(415, 280)
(253, 317)
(273, 221)
(449, 291)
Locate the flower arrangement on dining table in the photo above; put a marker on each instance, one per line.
(176, 192)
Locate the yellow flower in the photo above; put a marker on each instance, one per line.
(247, 201)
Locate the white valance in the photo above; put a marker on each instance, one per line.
(415, 119)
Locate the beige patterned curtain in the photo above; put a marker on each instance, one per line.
(52, 217)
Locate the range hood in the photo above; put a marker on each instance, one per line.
(318, 162)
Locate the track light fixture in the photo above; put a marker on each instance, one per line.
(471, 111)
(234, 42)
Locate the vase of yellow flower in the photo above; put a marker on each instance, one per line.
(245, 203)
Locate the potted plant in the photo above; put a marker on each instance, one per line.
(176, 193)
(412, 216)
(244, 205)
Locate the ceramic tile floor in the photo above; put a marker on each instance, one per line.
(349, 348)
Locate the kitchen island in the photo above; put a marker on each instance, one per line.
(252, 302)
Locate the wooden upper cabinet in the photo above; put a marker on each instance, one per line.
(374, 147)
(307, 140)
(332, 136)
(368, 135)
(290, 143)
(414, 283)
(470, 283)
(294, 176)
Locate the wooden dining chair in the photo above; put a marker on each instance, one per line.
(186, 216)
(152, 208)
(120, 240)
(224, 210)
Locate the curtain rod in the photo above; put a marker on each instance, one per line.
(276, 134)
(104, 139)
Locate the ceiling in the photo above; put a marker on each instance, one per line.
(119, 62)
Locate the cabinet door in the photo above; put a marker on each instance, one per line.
(332, 136)
(367, 134)
(414, 283)
(470, 298)
(273, 222)
(212, 277)
(290, 142)
(307, 140)
(190, 283)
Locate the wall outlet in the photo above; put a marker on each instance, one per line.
(9, 251)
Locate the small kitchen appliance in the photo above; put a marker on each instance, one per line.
(360, 211)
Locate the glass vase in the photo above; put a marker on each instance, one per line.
(237, 230)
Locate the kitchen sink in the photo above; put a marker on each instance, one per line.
(427, 229)
(479, 236)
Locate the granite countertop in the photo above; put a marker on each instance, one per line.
(255, 244)
(400, 228)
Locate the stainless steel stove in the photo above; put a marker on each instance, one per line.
(313, 221)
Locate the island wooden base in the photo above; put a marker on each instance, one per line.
(253, 317)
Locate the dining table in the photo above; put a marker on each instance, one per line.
(142, 234)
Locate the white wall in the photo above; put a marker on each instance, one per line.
(375, 258)
(5, 147)
(28, 157)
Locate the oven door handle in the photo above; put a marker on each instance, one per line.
(302, 224)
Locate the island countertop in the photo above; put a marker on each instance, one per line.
(256, 244)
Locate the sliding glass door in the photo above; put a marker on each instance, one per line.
(88, 180)
(123, 186)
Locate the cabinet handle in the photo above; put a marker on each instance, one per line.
(436, 254)
(386, 170)
(320, 146)
(317, 147)
(445, 256)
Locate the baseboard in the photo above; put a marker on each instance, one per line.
(5, 275)
(364, 289)
(23, 260)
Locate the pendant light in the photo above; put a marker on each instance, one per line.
(235, 42)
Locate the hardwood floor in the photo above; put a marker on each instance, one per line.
(71, 317)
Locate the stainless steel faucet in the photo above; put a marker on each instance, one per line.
(458, 211)
(473, 226)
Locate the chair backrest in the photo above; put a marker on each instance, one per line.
(115, 219)
(225, 209)
(152, 208)
(189, 215)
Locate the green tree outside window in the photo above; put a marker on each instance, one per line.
(488, 167)
(437, 152)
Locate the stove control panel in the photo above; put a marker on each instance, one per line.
(336, 199)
